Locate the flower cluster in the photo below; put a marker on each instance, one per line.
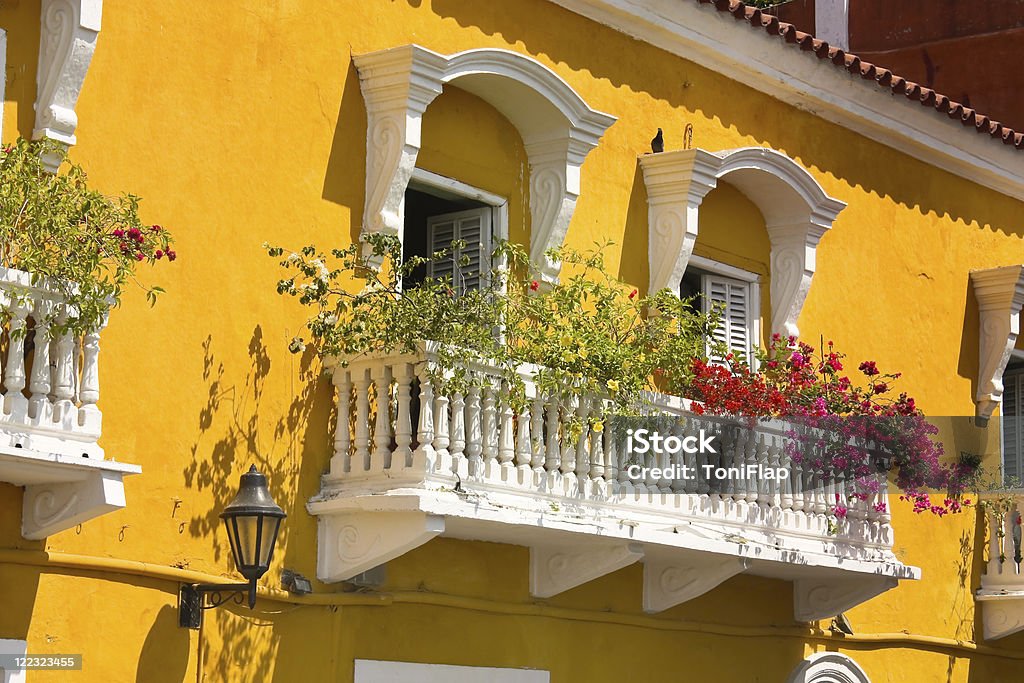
(845, 427)
(79, 241)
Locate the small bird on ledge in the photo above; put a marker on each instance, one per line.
(658, 143)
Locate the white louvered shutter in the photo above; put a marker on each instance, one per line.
(472, 227)
(732, 297)
(1013, 421)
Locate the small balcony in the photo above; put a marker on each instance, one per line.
(1001, 595)
(412, 462)
(50, 422)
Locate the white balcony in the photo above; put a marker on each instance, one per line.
(50, 423)
(412, 463)
(1001, 595)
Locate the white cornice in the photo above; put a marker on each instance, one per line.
(717, 41)
(1000, 295)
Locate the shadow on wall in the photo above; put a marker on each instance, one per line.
(345, 178)
(625, 63)
(292, 447)
(165, 653)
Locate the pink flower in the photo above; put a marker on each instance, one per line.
(869, 368)
(171, 255)
(534, 286)
(159, 254)
(632, 295)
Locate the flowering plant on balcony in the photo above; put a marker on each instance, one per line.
(587, 334)
(837, 416)
(69, 236)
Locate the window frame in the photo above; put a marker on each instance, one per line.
(753, 282)
(1015, 372)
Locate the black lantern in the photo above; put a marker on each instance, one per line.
(252, 521)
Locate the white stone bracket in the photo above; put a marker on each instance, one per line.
(796, 209)
(815, 599)
(67, 40)
(1000, 295)
(670, 582)
(557, 127)
(556, 569)
(49, 508)
(351, 543)
(1002, 613)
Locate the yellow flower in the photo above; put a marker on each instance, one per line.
(613, 385)
(583, 353)
(598, 426)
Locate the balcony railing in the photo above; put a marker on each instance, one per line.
(489, 467)
(50, 423)
(1002, 585)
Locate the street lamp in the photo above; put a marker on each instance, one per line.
(252, 520)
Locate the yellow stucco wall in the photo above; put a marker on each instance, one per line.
(241, 123)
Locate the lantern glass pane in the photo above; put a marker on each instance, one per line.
(270, 525)
(247, 528)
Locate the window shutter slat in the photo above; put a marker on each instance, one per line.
(732, 297)
(472, 227)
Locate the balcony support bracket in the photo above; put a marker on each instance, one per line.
(668, 583)
(815, 599)
(351, 543)
(556, 569)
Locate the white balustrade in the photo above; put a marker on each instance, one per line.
(51, 387)
(1004, 568)
(424, 433)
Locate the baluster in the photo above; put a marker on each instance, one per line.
(89, 389)
(739, 483)
(381, 457)
(583, 445)
(63, 376)
(750, 458)
(362, 439)
(764, 490)
(14, 370)
(474, 431)
(597, 458)
(342, 460)
(821, 500)
(403, 418)
(680, 459)
(781, 492)
(506, 434)
(490, 424)
(568, 464)
(442, 439)
(553, 452)
(524, 452)
(537, 435)
(1009, 549)
(424, 456)
(458, 433)
(612, 473)
(39, 402)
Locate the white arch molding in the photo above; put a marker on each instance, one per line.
(796, 210)
(828, 667)
(557, 127)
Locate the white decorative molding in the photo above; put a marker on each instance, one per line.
(815, 599)
(18, 648)
(1000, 294)
(62, 491)
(796, 210)
(716, 41)
(671, 582)
(828, 667)
(67, 39)
(356, 541)
(557, 127)
(1001, 615)
(556, 569)
(375, 671)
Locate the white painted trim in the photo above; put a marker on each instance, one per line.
(374, 671)
(13, 647)
(422, 176)
(716, 41)
(828, 667)
(724, 269)
(557, 127)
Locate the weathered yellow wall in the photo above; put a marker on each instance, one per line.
(241, 123)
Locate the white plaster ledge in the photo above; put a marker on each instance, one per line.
(62, 491)
(1000, 295)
